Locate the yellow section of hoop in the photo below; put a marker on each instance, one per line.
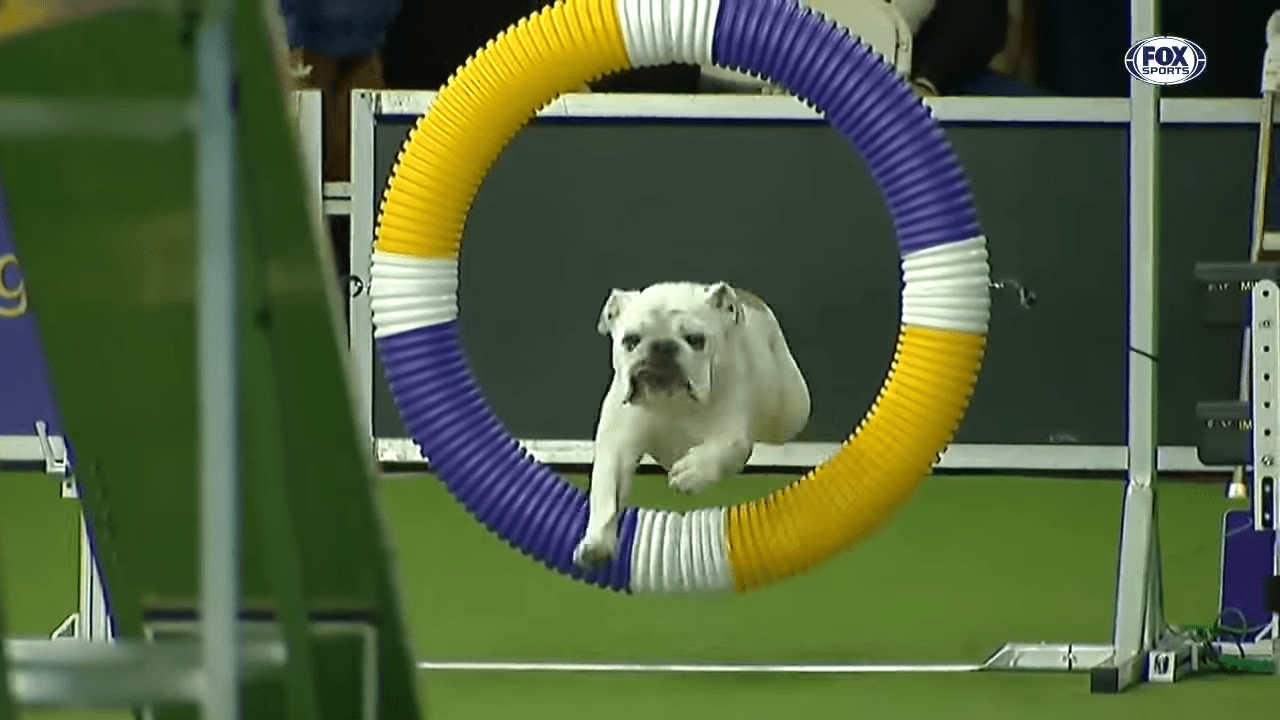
(483, 105)
(836, 505)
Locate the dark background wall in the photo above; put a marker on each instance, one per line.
(572, 209)
(1077, 43)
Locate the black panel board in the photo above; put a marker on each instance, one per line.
(574, 208)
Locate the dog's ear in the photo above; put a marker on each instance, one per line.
(618, 300)
(723, 297)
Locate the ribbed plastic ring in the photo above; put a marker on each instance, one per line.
(945, 301)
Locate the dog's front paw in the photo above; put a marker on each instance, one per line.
(595, 550)
(697, 470)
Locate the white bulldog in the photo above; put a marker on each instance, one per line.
(701, 374)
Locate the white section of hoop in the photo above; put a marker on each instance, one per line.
(408, 293)
(680, 552)
(948, 287)
(659, 32)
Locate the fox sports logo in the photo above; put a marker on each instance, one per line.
(1165, 60)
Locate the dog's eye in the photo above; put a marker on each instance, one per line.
(697, 341)
(629, 342)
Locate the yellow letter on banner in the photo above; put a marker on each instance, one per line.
(13, 300)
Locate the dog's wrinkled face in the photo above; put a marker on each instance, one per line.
(666, 338)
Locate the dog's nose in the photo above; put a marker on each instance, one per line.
(664, 348)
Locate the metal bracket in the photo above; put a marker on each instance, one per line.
(176, 624)
(1173, 661)
(66, 673)
(1266, 401)
(55, 461)
(355, 285)
(1063, 657)
(1225, 433)
(69, 629)
(1227, 289)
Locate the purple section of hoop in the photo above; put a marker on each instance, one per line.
(867, 101)
(516, 497)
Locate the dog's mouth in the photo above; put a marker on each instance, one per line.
(647, 379)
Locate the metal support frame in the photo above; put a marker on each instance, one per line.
(121, 674)
(1265, 408)
(45, 675)
(91, 621)
(360, 196)
(1256, 246)
(37, 451)
(1261, 387)
(267, 634)
(1140, 644)
(1143, 647)
(1265, 414)
(360, 327)
(124, 673)
(804, 455)
(308, 112)
(217, 347)
(1256, 411)
(1137, 601)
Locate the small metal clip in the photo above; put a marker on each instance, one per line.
(1026, 298)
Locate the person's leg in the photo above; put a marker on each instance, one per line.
(338, 28)
(336, 48)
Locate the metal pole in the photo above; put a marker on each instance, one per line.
(1262, 170)
(216, 314)
(1132, 636)
(1270, 86)
(363, 214)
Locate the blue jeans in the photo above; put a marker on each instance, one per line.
(992, 83)
(334, 28)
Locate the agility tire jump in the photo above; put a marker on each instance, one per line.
(944, 310)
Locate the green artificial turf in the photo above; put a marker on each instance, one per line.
(968, 564)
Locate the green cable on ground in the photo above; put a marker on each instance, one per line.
(1205, 636)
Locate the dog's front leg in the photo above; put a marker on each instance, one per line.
(709, 461)
(612, 472)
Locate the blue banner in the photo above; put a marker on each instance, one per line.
(26, 395)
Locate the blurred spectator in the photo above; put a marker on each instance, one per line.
(953, 44)
(953, 49)
(1233, 36)
(1082, 45)
(1078, 45)
(430, 39)
(335, 47)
